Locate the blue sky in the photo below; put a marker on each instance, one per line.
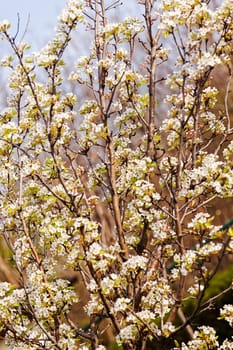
(43, 18)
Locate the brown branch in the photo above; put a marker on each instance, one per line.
(115, 200)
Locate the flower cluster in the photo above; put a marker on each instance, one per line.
(204, 338)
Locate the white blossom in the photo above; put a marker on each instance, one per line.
(227, 313)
